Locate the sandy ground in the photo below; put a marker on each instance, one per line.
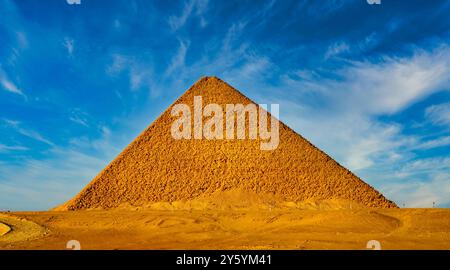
(224, 229)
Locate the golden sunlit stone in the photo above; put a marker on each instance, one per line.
(157, 168)
(4, 229)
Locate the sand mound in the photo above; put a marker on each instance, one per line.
(16, 229)
(4, 229)
(237, 199)
(157, 168)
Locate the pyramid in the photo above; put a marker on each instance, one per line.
(155, 167)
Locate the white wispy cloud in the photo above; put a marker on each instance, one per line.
(233, 33)
(78, 116)
(140, 73)
(8, 148)
(40, 184)
(68, 43)
(253, 67)
(426, 165)
(117, 24)
(178, 59)
(234, 60)
(434, 143)
(317, 10)
(118, 64)
(384, 86)
(8, 85)
(140, 76)
(416, 193)
(191, 7)
(78, 120)
(27, 132)
(439, 114)
(22, 39)
(336, 49)
(394, 83)
(11, 122)
(34, 135)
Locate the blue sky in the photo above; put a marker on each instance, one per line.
(368, 84)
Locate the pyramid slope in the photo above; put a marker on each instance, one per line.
(157, 168)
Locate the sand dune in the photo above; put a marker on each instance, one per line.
(18, 229)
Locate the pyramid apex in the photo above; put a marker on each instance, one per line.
(211, 85)
(209, 78)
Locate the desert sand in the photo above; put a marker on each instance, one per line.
(163, 193)
(276, 228)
